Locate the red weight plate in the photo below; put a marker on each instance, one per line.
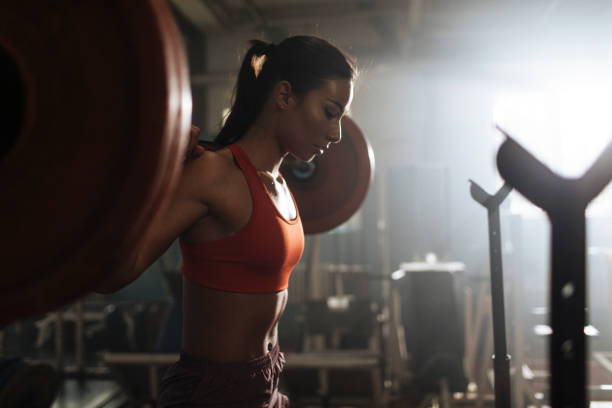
(181, 106)
(333, 186)
(105, 123)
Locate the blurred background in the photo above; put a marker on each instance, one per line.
(406, 279)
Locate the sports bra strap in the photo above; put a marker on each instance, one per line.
(247, 167)
(242, 159)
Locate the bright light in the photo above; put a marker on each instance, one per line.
(545, 330)
(397, 275)
(566, 124)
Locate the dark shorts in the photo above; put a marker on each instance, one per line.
(195, 382)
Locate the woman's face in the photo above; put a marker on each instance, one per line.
(312, 124)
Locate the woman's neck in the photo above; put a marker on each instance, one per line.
(263, 149)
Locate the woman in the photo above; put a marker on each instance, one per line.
(239, 227)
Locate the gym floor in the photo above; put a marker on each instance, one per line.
(90, 394)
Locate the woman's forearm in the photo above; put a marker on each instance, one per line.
(122, 276)
(145, 255)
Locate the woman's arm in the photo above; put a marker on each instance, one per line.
(187, 205)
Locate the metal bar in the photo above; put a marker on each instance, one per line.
(604, 359)
(104, 399)
(501, 359)
(59, 340)
(153, 380)
(255, 12)
(568, 349)
(79, 335)
(468, 321)
(314, 275)
(295, 14)
(479, 322)
(3, 345)
(198, 14)
(517, 335)
(138, 358)
(482, 375)
(220, 14)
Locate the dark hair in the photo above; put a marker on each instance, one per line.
(304, 61)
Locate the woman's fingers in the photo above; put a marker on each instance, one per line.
(194, 150)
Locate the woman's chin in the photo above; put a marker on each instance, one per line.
(310, 158)
(307, 157)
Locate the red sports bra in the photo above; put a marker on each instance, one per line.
(260, 257)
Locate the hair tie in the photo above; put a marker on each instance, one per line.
(258, 61)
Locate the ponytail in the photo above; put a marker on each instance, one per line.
(304, 61)
(249, 95)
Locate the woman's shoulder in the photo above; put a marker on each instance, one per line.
(210, 171)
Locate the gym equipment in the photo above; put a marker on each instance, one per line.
(501, 359)
(95, 142)
(565, 201)
(139, 373)
(349, 359)
(332, 187)
(433, 329)
(94, 145)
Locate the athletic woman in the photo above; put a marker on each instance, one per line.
(239, 227)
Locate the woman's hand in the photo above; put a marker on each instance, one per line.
(194, 150)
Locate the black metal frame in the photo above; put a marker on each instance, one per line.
(565, 201)
(501, 359)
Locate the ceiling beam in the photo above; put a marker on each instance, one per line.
(198, 13)
(256, 17)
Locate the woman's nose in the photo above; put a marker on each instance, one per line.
(335, 135)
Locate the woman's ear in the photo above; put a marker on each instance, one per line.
(283, 95)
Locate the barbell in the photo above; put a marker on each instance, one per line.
(93, 144)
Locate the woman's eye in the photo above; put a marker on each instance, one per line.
(329, 114)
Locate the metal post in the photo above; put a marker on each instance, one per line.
(517, 304)
(501, 359)
(565, 201)
(59, 340)
(79, 335)
(314, 275)
(391, 308)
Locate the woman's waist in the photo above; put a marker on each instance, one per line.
(256, 309)
(228, 343)
(204, 363)
(230, 324)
